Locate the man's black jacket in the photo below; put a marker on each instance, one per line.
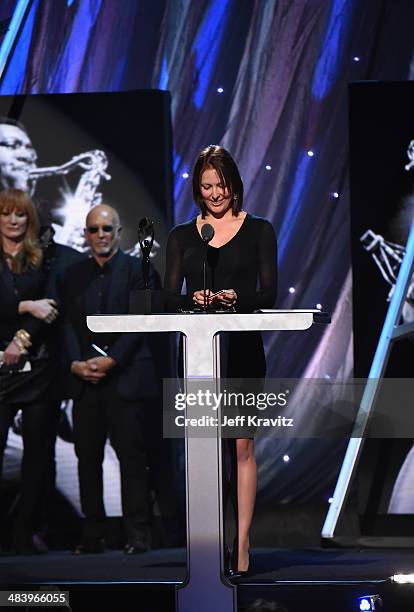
(87, 289)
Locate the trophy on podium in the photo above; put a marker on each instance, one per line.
(147, 300)
(146, 240)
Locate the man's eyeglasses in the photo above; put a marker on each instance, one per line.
(94, 229)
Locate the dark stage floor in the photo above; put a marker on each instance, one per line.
(292, 580)
(168, 565)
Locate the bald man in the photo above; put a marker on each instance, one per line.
(113, 382)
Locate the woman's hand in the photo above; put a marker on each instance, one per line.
(12, 354)
(198, 297)
(228, 297)
(44, 309)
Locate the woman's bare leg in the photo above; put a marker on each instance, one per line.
(246, 496)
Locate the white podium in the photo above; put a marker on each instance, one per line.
(206, 588)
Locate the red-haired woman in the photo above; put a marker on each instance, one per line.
(25, 372)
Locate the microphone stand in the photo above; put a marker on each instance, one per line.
(204, 277)
(207, 234)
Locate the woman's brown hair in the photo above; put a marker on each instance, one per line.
(218, 158)
(16, 199)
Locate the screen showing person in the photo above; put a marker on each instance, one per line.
(17, 156)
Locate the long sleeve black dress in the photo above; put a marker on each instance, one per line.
(247, 263)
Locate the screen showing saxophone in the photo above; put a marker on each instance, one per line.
(72, 152)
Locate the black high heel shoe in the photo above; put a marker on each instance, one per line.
(227, 561)
(234, 571)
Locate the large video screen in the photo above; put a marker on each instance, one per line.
(382, 212)
(72, 152)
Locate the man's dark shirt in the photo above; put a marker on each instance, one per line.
(100, 277)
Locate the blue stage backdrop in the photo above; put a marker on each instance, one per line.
(268, 80)
(6, 9)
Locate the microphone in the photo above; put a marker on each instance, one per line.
(207, 234)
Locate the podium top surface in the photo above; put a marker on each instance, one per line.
(194, 322)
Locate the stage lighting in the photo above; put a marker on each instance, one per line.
(403, 578)
(369, 602)
(291, 289)
(286, 458)
(311, 153)
(220, 90)
(185, 175)
(319, 306)
(268, 167)
(335, 195)
(356, 58)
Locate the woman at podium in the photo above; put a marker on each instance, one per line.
(241, 274)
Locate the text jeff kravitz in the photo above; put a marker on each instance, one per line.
(238, 421)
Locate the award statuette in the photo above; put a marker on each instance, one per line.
(147, 300)
(146, 240)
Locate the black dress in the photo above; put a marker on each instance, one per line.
(247, 263)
